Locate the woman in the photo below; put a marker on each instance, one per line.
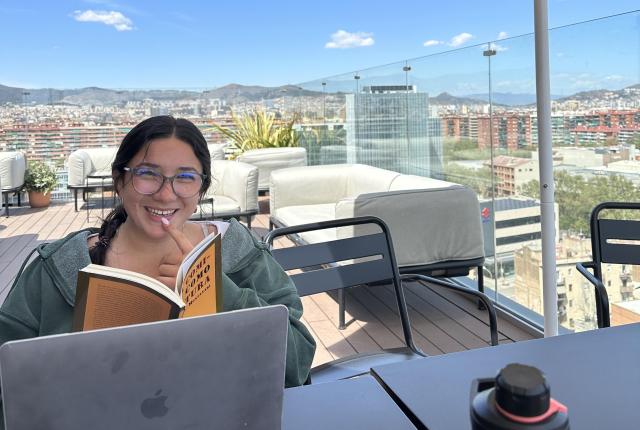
(160, 171)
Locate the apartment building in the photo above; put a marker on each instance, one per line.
(576, 300)
(511, 173)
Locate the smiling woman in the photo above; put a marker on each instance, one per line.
(160, 171)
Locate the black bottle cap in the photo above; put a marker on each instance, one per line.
(522, 390)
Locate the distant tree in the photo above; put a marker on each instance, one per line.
(520, 153)
(477, 179)
(576, 197)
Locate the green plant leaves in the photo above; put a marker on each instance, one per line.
(259, 130)
(40, 177)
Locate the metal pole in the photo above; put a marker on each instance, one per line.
(547, 198)
(324, 103)
(490, 53)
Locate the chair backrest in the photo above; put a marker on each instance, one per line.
(86, 161)
(615, 241)
(269, 159)
(216, 150)
(331, 265)
(12, 169)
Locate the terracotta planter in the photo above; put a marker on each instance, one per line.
(39, 200)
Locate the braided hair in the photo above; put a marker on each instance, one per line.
(138, 139)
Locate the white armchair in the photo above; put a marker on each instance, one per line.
(233, 192)
(217, 150)
(12, 169)
(87, 162)
(270, 159)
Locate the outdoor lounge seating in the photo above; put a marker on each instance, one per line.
(233, 192)
(216, 150)
(336, 264)
(270, 159)
(12, 169)
(90, 169)
(435, 225)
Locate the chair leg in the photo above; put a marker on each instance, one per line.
(270, 225)
(481, 305)
(341, 302)
(249, 222)
(6, 204)
(75, 199)
(18, 193)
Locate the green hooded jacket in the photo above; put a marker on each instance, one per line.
(41, 299)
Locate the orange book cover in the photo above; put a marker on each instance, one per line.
(111, 297)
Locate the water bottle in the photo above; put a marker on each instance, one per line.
(518, 398)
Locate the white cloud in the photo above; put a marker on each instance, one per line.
(460, 39)
(343, 39)
(454, 42)
(433, 42)
(112, 18)
(502, 35)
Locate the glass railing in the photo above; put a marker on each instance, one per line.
(469, 116)
(466, 116)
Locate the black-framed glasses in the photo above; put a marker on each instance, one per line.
(148, 181)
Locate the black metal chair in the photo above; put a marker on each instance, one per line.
(370, 260)
(611, 242)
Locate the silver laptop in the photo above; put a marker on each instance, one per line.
(222, 371)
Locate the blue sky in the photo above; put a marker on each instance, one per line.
(204, 44)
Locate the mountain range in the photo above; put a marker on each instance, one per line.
(235, 94)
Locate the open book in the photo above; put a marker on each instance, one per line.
(110, 297)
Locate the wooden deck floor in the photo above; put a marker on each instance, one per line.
(443, 322)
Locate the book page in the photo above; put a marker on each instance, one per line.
(112, 303)
(201, 288)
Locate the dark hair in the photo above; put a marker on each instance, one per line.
(136, 140)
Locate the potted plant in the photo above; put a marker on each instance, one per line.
(39, 181)
(258, 130)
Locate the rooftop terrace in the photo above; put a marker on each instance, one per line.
(443, 322)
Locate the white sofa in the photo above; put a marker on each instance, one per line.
(12, 168)
(269, 159)
(233, 192)
(97, 162)
(435, 225)
(87, 162)
(216, 150)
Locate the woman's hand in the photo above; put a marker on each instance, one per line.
(170, 264)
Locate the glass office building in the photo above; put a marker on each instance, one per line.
(390, 126)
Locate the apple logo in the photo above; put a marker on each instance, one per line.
(154, 407)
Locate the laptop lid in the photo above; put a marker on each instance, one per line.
(220, 371)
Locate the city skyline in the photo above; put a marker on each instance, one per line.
(75, 44)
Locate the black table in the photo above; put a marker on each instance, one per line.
(359, 403)
(595, 374)
(102, 186)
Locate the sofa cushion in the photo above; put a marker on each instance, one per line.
(296, 215)
(221, 205)
(83, 162)
(12, 168)
(270, 159)
(367, 179)
(411, 182)
(216, 151)
(427, 226)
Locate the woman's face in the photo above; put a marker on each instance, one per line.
(168, 156)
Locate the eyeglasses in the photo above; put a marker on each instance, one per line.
(148, 181)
